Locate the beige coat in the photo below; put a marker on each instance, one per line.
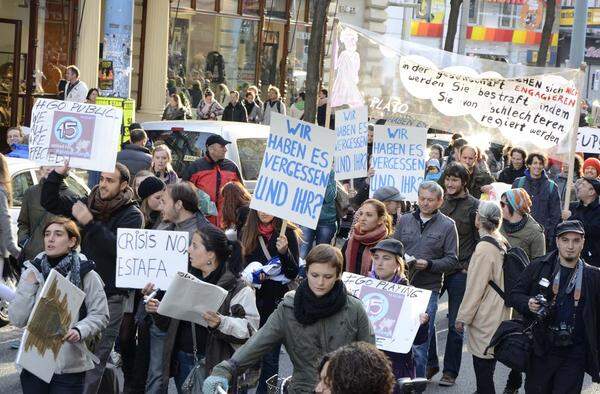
(482, 309)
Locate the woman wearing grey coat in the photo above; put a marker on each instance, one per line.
(61, 239)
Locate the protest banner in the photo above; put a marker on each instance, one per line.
(52, 316)
(393, 309)
(295, 171)
(588, 141)
(145, 256)
(351, 128)
(187, 298)
(87, 134)
(399, 157)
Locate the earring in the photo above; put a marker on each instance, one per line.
(209, 262)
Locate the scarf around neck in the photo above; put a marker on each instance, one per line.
(266, 230)
(368, 239)
(70, 263)
(308, 308)
(510, 228)
(104, 209)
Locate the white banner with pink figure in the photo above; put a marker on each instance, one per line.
(393, 309)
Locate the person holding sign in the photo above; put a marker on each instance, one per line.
(264, 242)
(373, 225)
(312, 321)
(483, 309)
(544, 195)
(110, 206)
(216, 260)
(388, 265)
(431, 238)
(61, 240)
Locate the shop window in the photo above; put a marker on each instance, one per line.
(229, 6)
(205, 5)
(181, 4)
(297, 60)
(213, 50)
(250, 7)
(298, 10)
(275, 9)
(507, 15)
(271, 54)
(473, 5)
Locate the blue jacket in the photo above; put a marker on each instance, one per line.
(546, 204)
(19, 150)
(328, 211)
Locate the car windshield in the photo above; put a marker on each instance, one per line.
(251, 151)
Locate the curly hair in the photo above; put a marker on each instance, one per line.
(359, 368)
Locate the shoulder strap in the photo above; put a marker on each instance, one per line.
(279, 106)
(521, 182)
(493, 284)
(264, 247)
(492, 240)
(195, 348)
(552, 185)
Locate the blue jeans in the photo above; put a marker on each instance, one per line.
(322, 235)
(155, 367)
(186, 364)
(67, 383)
(269, 367)
(455, 285)
(420, 352)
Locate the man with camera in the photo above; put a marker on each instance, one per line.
(561, 294)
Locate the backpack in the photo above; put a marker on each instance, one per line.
(515, 261)
(521, 183)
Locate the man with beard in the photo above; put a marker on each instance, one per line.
(479, 179)
(516, 169)
(461, 207)
(110, 206)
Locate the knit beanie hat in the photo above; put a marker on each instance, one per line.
(149, 186)
(519, 200)
(592, 162)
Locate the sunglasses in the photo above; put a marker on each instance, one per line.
(502, 204)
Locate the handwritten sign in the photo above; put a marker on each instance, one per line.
(393, 309)
(539, 109)
(588, 141)
(352, 131)
(295, 171)
(88, 134)
(399, 157)
(145, 256)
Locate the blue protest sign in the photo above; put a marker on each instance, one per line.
(351, 129)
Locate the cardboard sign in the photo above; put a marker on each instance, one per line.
(498, 189)
(588, 141)
(295, 171)
(352, 131)
(87, 134)
(145, 256)
(52, 316)
(392, 309)
(399, 158)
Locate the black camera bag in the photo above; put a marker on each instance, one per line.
(512, 343)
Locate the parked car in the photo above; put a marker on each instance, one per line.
(24, 174)
(187, 140)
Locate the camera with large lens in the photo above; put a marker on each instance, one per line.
(542, 313)
(562, 335)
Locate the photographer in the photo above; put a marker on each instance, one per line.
(561, 292)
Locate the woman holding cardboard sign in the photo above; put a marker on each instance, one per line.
(216, 260)
(61, 239)
(316, 319)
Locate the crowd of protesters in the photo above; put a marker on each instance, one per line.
(284, 286)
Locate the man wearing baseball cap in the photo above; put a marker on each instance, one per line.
(587, 211)
(211, 172)
(565, 339)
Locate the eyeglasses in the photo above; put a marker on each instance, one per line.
(502, 204)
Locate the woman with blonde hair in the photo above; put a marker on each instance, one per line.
(373, 224)
(161, 164)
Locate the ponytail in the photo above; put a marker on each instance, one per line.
(226, 251)
(235, 262)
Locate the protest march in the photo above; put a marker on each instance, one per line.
(237, 245)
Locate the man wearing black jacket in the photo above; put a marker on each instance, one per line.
(516, 168)
(110, 206)
(565, 341)
(235, 110)
(587, 210)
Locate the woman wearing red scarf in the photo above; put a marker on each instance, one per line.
(373, 225)
(262, 243)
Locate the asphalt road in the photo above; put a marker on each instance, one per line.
(9, 380)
